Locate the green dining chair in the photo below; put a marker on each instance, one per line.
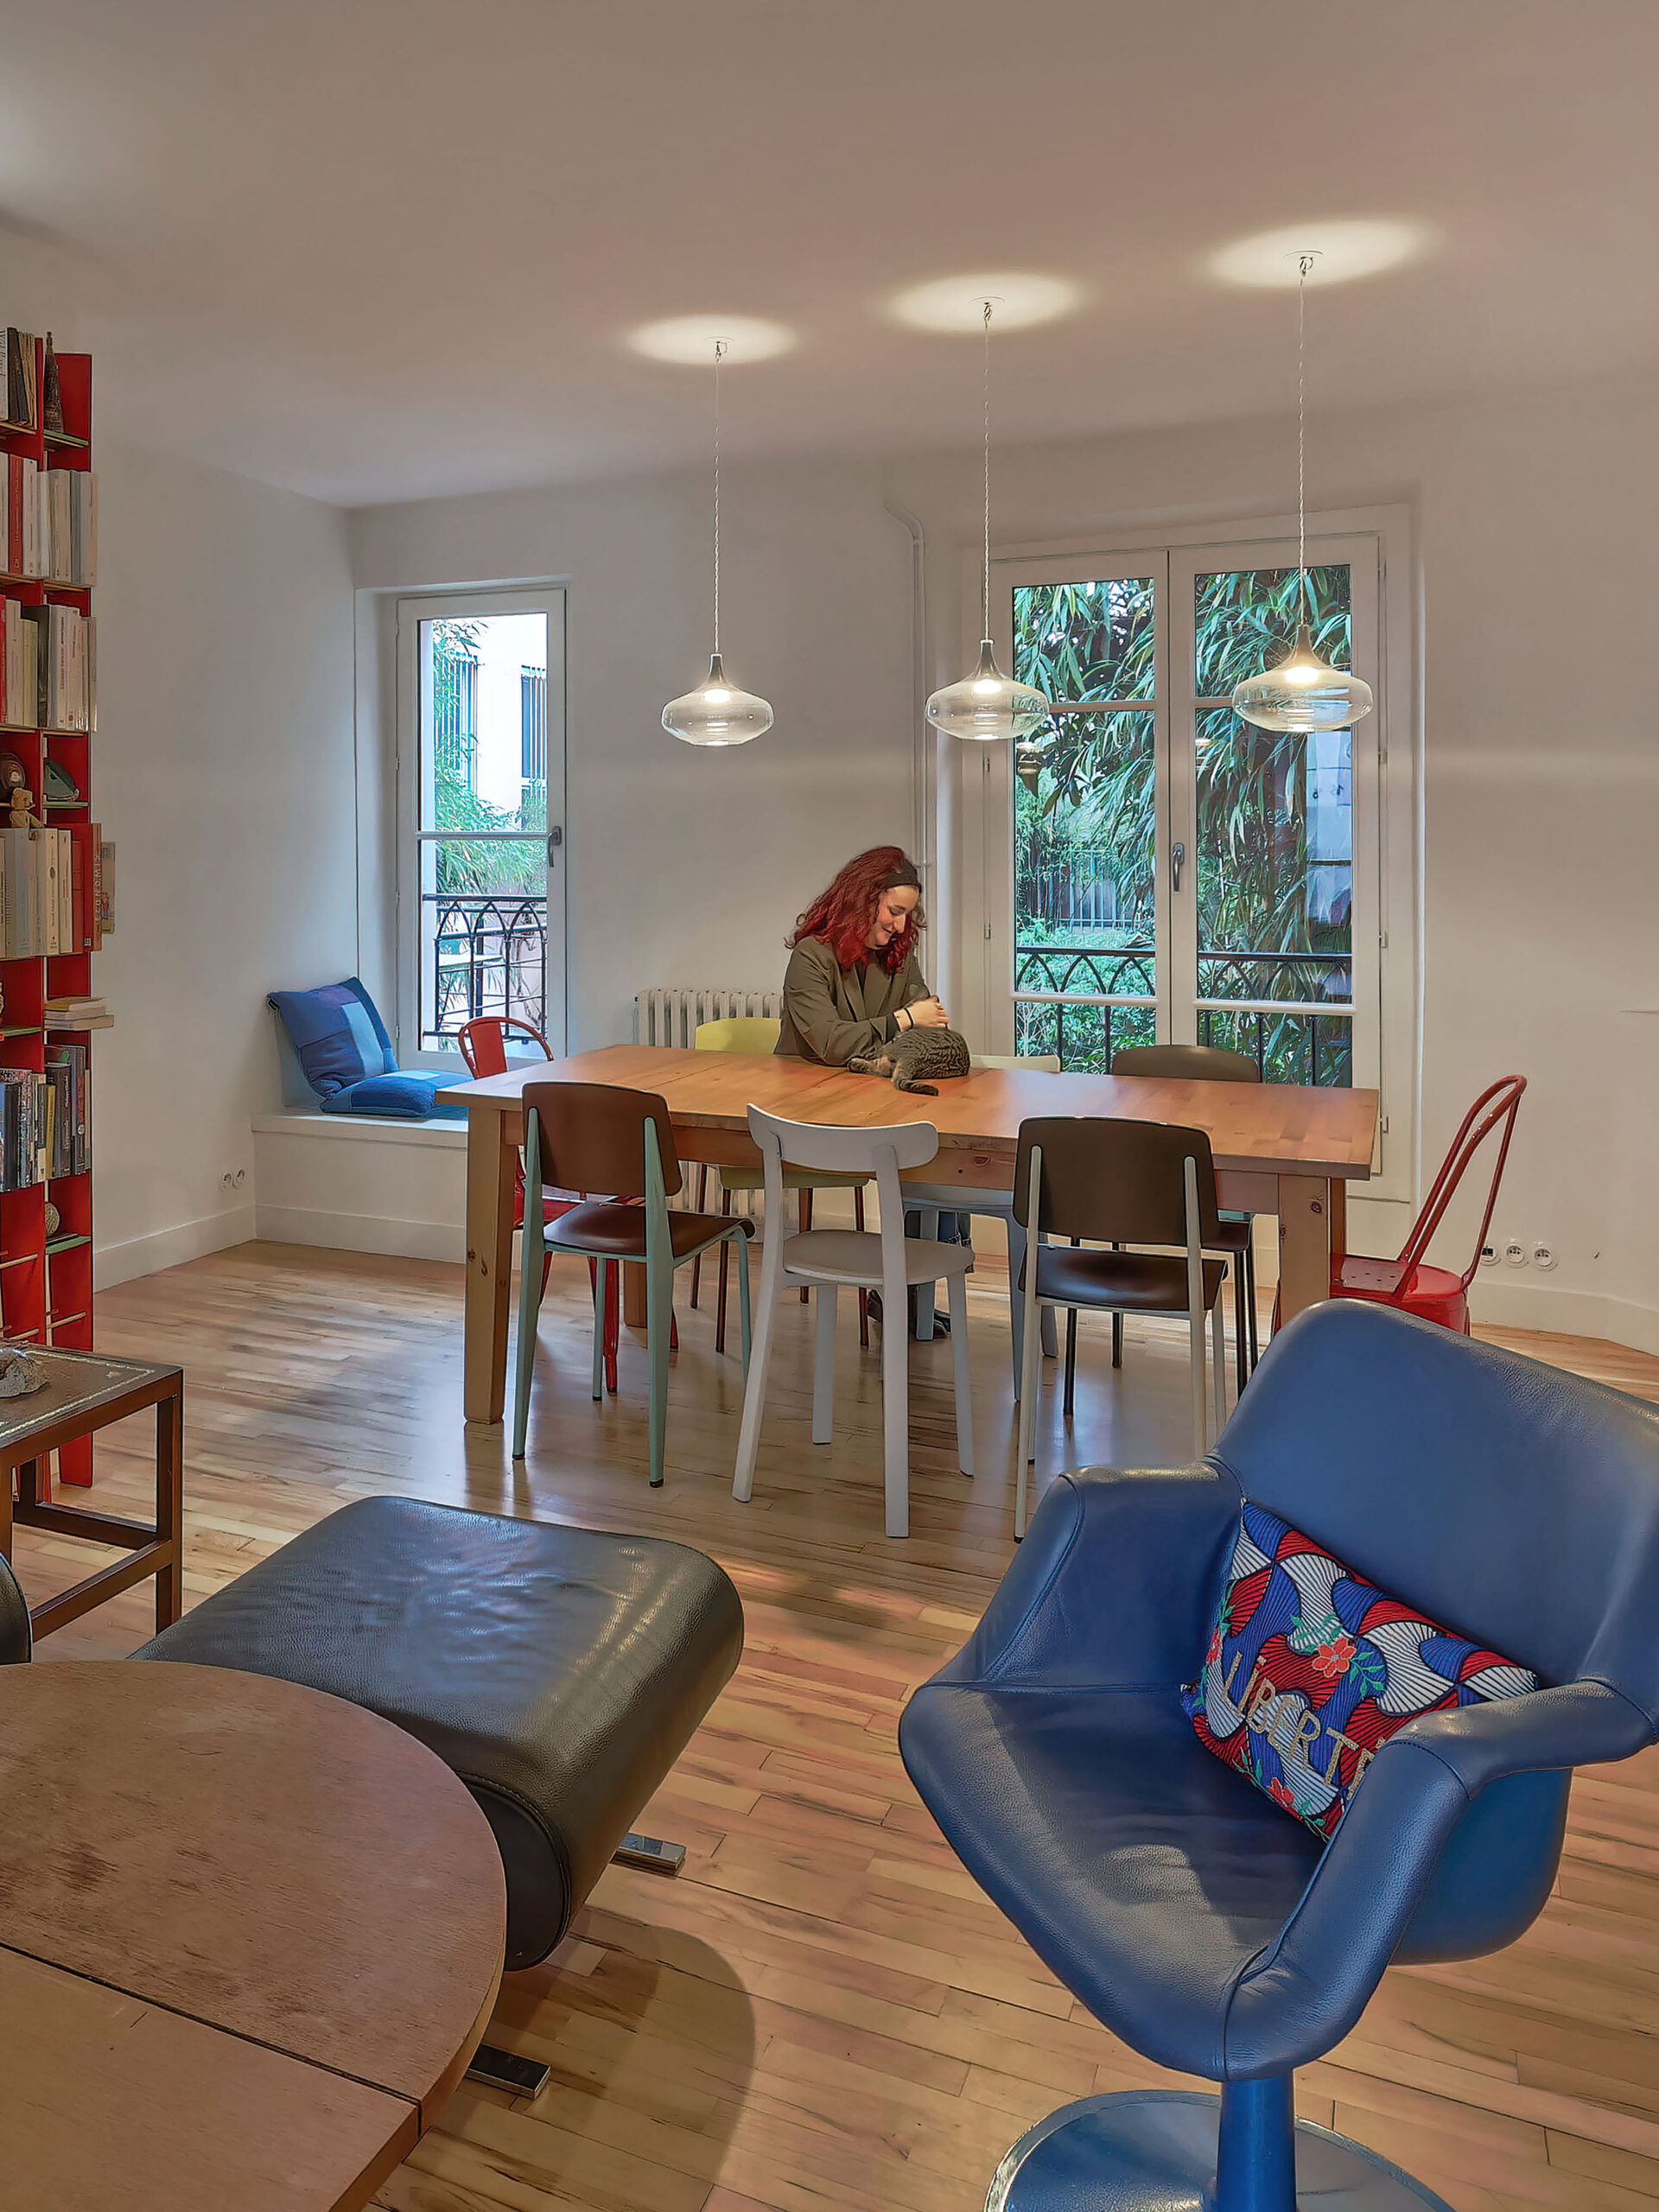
(757, 1033)
(599, 1136)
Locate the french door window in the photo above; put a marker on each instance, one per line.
(1174, 873)
(481, 777)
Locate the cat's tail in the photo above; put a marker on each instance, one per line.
(923, 1090)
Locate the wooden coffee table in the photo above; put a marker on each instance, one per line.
(249, 1937)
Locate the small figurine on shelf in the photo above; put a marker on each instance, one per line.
(53, 397)
(22, 808)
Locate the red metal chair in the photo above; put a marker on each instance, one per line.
(1434, 1293)
(484, 1047)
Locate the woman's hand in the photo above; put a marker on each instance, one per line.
(926, 1013)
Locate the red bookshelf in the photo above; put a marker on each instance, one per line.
(46, 1284)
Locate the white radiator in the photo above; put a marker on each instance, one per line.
(673, 1014)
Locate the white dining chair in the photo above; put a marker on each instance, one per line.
(834, 1259)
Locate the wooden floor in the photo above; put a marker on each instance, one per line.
(822, 2012)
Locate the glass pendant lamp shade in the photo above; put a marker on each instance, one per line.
(1302, 693)
(717, 713)
(988, 704)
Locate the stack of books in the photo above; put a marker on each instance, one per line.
(68, 526)
(66, 667)
(43, 904)
(22, 369)
(78, 1013)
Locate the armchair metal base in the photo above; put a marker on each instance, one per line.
(1155, 2151)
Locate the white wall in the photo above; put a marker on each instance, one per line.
(1536, 540)
(690, 865)
(222, 769)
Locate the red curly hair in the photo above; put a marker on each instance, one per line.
(841, 916)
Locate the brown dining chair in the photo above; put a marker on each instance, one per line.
(1199, 1064)
(1117, 1183)
(598, 1136)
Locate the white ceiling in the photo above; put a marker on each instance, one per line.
(379, 249)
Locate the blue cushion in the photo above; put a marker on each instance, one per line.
(338, 1035)
(405, 1097)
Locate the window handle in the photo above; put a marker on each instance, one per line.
(554, 839)
(1177, 861)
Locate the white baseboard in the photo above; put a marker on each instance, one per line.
(361, 1232)
(171, 1247)
(1561, 1312)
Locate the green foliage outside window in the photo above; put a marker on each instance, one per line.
(488, 869)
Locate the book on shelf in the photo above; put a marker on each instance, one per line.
(22, 550)
(23, 378)
(103, 889)
(44, 1124)
(65, 677)
(20, 678)
(38, 917)
(68, 526)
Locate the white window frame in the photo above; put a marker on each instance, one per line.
(409, 610)
(1387, 909)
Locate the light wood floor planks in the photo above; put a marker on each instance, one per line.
(823, 2011)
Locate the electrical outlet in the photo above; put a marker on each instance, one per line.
(1543, 1255)
(1515, 1253)
(1489, 1255)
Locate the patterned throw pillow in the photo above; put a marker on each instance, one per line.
(1311, 1669)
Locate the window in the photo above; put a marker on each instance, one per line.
(1173, 872)
(481, 781)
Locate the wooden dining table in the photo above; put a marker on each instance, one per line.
(1279, 1148)
(249, 1937)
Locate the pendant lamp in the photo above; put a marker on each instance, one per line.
(988, 704)
(1302, 693)
(717, 713)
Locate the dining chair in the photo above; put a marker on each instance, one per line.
(1198, 1064)
(832, 1259)
(754, 1032)
(483, 1044)
(599, 1136)
(931, 1199)
(1117, 1183)
(1435, 1294)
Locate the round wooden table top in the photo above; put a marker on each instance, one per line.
(300, 1906)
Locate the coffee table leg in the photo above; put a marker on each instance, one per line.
(169, 1507)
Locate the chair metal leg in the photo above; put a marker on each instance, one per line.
(1239, 1347)
(1016, 1303)
(1025, 1450)
(956, 1292)
(1249, 1282)
(1071, 1358)
(659, 1315)
(824, 1367)
(1218, 1347)
(612, 1324)
(702, 1207)
(923, 1297)
(804, 1215)
(744, 1324)
(863, 1296)
(601, 1319)
(895, 1418)
(1118, 1329)
(725, 1253)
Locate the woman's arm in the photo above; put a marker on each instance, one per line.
(825, 1034)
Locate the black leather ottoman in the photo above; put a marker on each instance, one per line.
(560, 1672)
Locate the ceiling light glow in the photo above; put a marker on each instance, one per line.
(957, 303)
(1347, 251)
(690, 338)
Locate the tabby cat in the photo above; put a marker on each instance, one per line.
(914, 1055)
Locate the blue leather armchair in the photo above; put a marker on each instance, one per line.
(1192, 1917)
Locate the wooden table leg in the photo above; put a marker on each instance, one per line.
(169, 1507)
(1304, 1243)
(490, 1158)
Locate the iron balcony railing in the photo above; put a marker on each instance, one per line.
(1289, 1011)
(489, 955)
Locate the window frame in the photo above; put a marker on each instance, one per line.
(409, 610)
(1387, 784)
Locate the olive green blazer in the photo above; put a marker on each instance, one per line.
(830, 1015)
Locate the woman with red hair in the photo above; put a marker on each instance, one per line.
(854, 983)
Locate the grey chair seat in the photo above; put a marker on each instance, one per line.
(560, 1672)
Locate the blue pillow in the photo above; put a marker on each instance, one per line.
(404, 1097)
(338, 1035)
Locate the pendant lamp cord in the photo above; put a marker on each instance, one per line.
(1303, 265)
(721, 344)
(985, 571)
